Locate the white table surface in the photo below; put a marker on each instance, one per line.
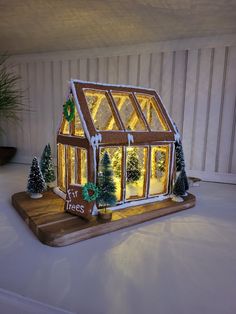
(184, 263)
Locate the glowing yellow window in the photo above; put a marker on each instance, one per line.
(159, 170)
(71, 164)
(81, 166)
(65, 127)
(128, 113)
(61, 157)
(115, 154)
(78, 129)
(152, 113)
(100, 110)
(136, 165)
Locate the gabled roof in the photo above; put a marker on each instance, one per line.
(114, 114)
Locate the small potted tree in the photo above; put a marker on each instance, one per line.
(36, 184)
(11, 103)
(107, 189)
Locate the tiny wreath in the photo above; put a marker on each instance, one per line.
(69, 110)
(86, 192)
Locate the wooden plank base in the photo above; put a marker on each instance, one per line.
(54, 227)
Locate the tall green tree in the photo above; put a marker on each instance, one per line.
(36, 182)
(47, 166)
(181, 184)
(179, 154)
(106, 183)
(133, 171)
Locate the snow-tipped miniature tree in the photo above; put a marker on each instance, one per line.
(179, 187)
(181, 184)
(36, 183)
(106, 183)
(47, 166)
(133, 171)
(179, 154)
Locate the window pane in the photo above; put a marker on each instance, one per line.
(136, 165)
(78, 126)
(71, 164)
(100, 110)
(61, 179)
(81, 170)
(65, 127)
(159, 169)
(127, 112)
(152, 113)
(115, 154)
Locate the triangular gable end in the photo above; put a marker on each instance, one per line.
(77, 127)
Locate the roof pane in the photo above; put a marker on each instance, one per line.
(100, 110)
(152, 113)
(127, 112)
(65, 127)
(78, 126)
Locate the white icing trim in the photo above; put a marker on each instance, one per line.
(95, 140)
(130, 139)
(115, 85)
(59, 192)
(140, 202)
(177, 199)
(79, 110)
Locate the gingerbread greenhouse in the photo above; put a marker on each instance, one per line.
(132, 126)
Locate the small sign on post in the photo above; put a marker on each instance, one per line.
(75, 204)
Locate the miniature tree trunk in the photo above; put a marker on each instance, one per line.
(47, 166)
(106, 183)
(36, 183)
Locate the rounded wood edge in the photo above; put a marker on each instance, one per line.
(111, 226)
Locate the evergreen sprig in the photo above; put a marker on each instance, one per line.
(11, 96)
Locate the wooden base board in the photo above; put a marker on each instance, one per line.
(54, 227)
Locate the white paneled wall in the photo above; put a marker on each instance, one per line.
(195, 78)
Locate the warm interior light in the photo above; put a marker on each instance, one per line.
(136, 167)
(159, 169)
(152, 113)
(61, 167)
(127, 112)
(100, 110)
(71, 164)
(78, 129)
(65, 127)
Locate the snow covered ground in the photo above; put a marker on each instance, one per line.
(184, 263)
